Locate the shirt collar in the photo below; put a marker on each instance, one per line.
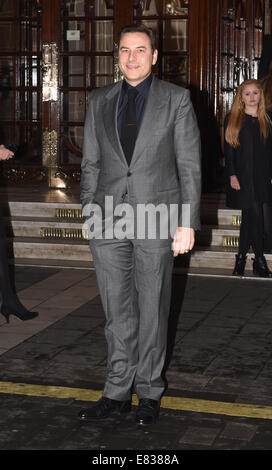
(142, 88)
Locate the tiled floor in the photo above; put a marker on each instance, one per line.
(53, 293)
(219, 350)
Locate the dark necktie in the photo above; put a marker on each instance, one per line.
(129, 125)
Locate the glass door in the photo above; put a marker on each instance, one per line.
(86, 61)
(78, 57)
(169, 18)
(21, 90)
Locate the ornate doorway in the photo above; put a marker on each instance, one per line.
(54, 52)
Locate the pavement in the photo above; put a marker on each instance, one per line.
(218, 369)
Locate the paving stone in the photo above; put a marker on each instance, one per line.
(78, 355)
(81, 374)
(199, 436)
(186, 381)
(239, 431)
(93, 309)
(31, 275)
(262, 439)
(33, 349)
(56, 337)
(229, 444)
(74, 322)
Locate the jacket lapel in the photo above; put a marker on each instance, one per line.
(156, 103)
(110, 112)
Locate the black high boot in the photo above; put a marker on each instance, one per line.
(260, 267)
(239, 267)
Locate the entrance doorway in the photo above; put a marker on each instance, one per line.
(54, 52)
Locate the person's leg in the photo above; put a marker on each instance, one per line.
(251, 234)
(10, 302)
(256, 229)
(114, 264)
(5, 285)
(267, 217)
(244, 243)
(154, 267)
(260, 267)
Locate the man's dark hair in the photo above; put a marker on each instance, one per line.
(139, 28)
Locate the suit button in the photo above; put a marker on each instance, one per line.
(128, 173)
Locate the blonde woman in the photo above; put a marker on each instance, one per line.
(248, 154)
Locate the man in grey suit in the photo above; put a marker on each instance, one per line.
(141, 148)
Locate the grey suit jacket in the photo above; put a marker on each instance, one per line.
(165, 166)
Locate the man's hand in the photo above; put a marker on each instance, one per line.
(184, 240)
(5, 154)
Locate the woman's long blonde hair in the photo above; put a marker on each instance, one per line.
(237, 114)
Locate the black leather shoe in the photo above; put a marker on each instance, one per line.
(147, 411)
(104, 408)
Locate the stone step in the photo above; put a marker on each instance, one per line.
(48, 228)
(218, 272)
(78, 251)
(210, 214)
(44, 228)
(49, 234)
(222, 235)
(52, 263)
(41, 209)
(38, 248)
(52, 229)
(178, 270)
(216, 258)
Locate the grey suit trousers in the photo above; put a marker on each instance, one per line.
(134, 278)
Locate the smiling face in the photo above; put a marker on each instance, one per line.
(136, 57)
(251, 96)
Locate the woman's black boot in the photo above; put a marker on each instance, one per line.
(260, 267)
(21, 313)
(239, 267)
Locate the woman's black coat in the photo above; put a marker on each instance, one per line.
(239, 162)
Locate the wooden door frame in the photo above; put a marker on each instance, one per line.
(123, 15)
(50, 109)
